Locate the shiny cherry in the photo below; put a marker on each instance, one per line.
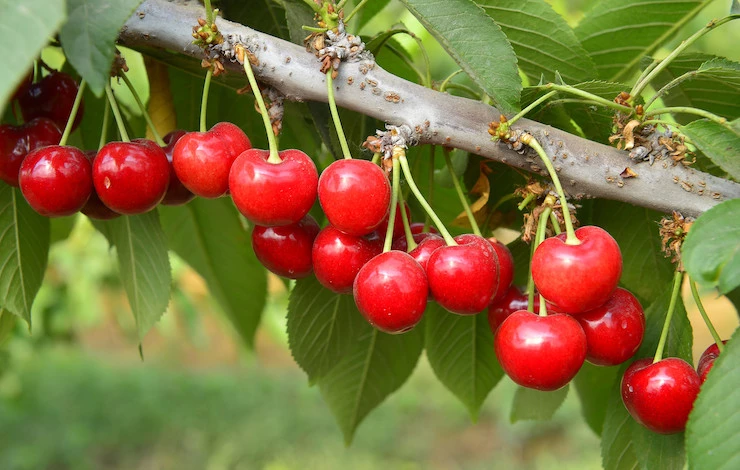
(463, 278)
(543, 353)
(52, 97)
(273, 194)
(131, 177)
(576, 278)
(505, 268)
(177, 194)
(56, 180)
(202, 160)
(286, 250)
(94, 207)
(355, 196)
(425, 248)
(514, 300)
(614, 330)
(706, 360)
(401, 244)
(337, 258)
(17, 141)
(390, 291)
(660, 395)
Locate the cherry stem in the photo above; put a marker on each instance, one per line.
(147, 118)
(687, 110)
(204, 100)
(703, 312)
(116, 113)
(522, 205)
(394, 202)
(677, 281)
(376, 158)
(415, 189)
(271, 140)
(104, 127)
(539, 237)
(530, 280)
(73, 113)
(355, 10)
(410, 242)
(555, 223)
(529, 108)
(209, 11)
(335, 116)
(430, 185)
(461, 193)
(570, 238)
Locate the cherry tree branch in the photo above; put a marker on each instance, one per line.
(586, 168)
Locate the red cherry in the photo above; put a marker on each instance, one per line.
(505, 268)
(543, 353)
(706, 360)
(576, 278)
(614, 331)
(131, 177)
(464, 278)
(512, 301)
(418, 227)
(56, 180)
(202, 160)
(401, 244)
(272, 194)
(397, 221)
(177, 194)
(17, 141)
(337, 258)
(23, 86)
(94, 207)
(286, 250)
(660, 396)
(355, 196)
(391, 292)
(425, 248)
(52, 97)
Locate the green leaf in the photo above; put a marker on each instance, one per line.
(711, 83)
(24, 250)
(542, 40)
(476, 43)
(460, 351)
(89, 36)
(530, 404)
(7, 323)
(61, 227)
(376, 365)
(713, 429)
(267, 16)
(618, 33)
(721, 143)
(711, 251)
(593, 384)
(319, 327)
(26, 25)
(144, 266)
(369, 11)
(209, 236)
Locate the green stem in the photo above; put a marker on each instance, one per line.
(677, 281)
(525, 202)
(589, 96)
(461, 193)
(314, 6)
(335, 116)
(703, 312)
(555, 224)
(73, 113)
(658, 66)
(446, 81)
(355, 11)
(104, 129)
(687, 110)
(539, 238)
(430, 185)
(204, 100)
(116, 113)
(668, 86)
(466, 89)
(271, 140)
(209, 11)
(570, 238)
(147, 118)
(410, 242)
(529, 108)
(415, 189)
(395, 188)
(530, 279)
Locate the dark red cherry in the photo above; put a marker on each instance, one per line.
(514, 300)
(177, 194)
(337, 258)
(52, 97)
(17, 141)
(355, 196)
(202, 160)
(273, 194)
(391, 292)
(660, 395)
(706, 360)
(543, 353)
(506, 268)
(22, 86)
(94, 207)
(397, 221)
(56, 180)
(418, 227)
(131, 177)
(286, 250)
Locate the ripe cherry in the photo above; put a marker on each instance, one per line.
(614, 330)
(273, 194)
(514, 300)
(660, 395)
(52, 97)
(94, 207)
(418, 227)
(401, 244)
(131, 177)
(506, 268)
(425, 248)
(576, 278)
(355, 196)
(177, 194)
(56, 180)
(391, 292)
(397, 222)
(706, 360)
(286, 250)
(337, 258)
(464, 278)
(202, 160)
(17, 141)
(543, 353)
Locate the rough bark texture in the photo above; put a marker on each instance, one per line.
(586, 168)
